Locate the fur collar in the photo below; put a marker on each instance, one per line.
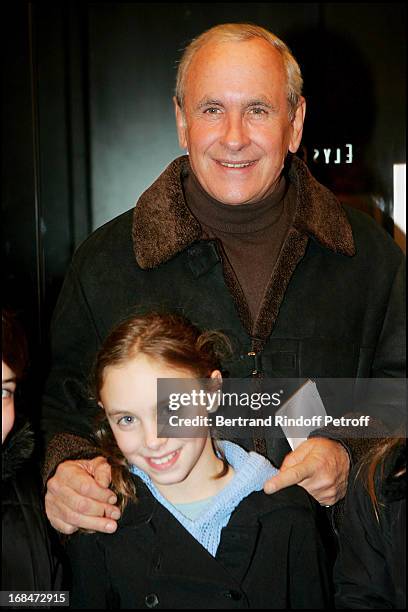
(16, 450)
(164, 226)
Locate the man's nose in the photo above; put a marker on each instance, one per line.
(235, 135)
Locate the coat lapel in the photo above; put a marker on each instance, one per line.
(183, 558)
(163, 226)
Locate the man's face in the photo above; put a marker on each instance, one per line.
(235, 123)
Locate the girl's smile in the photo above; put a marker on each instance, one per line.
(164, 462)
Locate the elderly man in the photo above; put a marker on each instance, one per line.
(238, 236)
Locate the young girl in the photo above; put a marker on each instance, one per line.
(196, 531)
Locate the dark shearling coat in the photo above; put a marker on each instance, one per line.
(333, 308)
(269, 557)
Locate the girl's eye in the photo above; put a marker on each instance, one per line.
(6, 393)
(127, 420)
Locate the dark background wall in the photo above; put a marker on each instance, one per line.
(88, 121)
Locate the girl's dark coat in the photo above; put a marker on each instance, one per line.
(269, 557)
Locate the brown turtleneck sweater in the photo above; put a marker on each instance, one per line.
(251, 235)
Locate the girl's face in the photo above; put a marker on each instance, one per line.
(7, 399)
(129, 397)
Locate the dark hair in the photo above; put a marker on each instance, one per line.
(14, 344)
(169, 338)
(372, 468)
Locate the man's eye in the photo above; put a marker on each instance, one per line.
(6, 393)
(258, 111)
(212, 110)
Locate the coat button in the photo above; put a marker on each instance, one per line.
(151, 600)
(234, 595)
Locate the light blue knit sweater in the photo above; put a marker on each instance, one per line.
(251, 472)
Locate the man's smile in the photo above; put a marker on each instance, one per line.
(241, 166)
(236, 164)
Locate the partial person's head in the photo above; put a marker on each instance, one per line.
(239, 110)
(13, 364)
(136, 354)
(373, 473)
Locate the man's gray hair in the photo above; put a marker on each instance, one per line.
(237, 32)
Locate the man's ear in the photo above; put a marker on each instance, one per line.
(297, 126)
(180, 124)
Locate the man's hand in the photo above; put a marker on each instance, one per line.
(78, 497)
(320, 466)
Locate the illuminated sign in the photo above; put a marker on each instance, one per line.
(338, 155)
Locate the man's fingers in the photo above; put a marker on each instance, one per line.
(97, 464)
(102, 474)
(98, 524)
(74, 502)
(318, 465)
(326, 496)
(89, 488)
(286, 478)
(103, 525)
(329, 497)
(68, 520)
(62, 527)
(101, 471)
(80, 484)
(78, 475)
